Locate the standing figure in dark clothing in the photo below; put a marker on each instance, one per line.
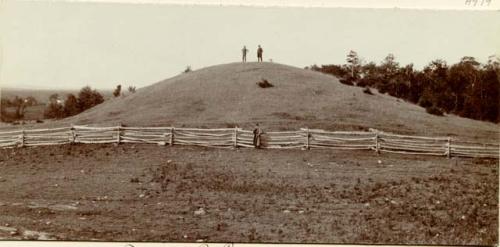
(244, 51)
(259, 54)
(256, 136)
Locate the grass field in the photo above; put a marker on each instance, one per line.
(32, 112)
(153, 193)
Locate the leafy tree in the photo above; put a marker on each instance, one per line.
(71, 106)
(31, 101)
(369, 75)
(55, 108)
(389, 66)
(490, 97)
(460, 77)
(354, 63)
(3, 110)
(20, 104)
(435, 80)
(88, 98)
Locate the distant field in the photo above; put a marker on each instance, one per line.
(32, 112)
(42, 95)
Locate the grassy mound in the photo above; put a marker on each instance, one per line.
(227, 95)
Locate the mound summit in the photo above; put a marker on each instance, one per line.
(228, 95)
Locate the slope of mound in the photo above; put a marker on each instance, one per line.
(228, 95)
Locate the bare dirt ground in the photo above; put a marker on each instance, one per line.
(155, 193)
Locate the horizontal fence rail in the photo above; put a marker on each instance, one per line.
(377, 141)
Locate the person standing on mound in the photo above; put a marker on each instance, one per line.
(257, 132)
(259, 54)
(244, 51)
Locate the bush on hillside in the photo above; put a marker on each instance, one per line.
(434, 111)
(425, 102)
(347, 81)
(263, 83)
(367, 91)
(118, 91)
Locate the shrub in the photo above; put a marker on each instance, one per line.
(263, 83)
(118, 91)
(425, 102)
(367, 91)
(434, 111)
(131, 89)
(347, 81)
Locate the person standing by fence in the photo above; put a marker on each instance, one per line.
(257, 132)
(259, 54)
(244, 51)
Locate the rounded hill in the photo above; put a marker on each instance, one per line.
(228, 95)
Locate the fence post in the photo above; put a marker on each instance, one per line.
(73, 135)
(377, 144)
(118, 138)
(308, 135)
(165, 135)
(171, 143)
(22, 138)
(448, 151)
(235, 137)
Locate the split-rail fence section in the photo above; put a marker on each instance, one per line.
(236, 137)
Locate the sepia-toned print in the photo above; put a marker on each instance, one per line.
(249, 124)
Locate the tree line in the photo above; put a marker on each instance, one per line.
(57, 107)
(86, 99)
(467, 88)
(72, 105)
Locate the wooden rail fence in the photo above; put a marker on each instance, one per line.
(235, 137)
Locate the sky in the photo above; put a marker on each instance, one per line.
(62, 45)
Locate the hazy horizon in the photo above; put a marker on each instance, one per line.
(58, 45)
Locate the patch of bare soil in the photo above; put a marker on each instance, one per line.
(153, 193)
